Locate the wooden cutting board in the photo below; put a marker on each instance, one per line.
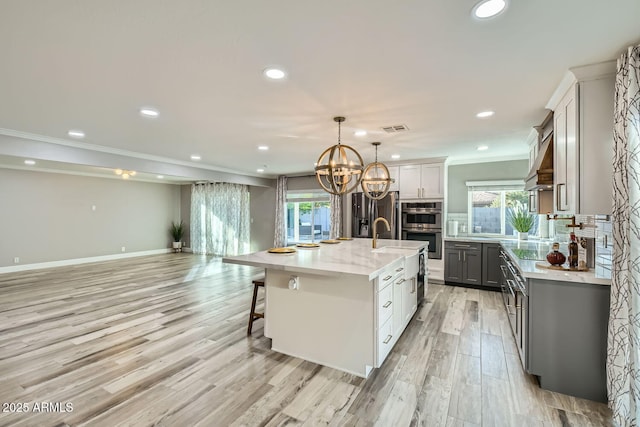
(558, 267)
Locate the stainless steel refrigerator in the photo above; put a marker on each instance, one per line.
(365, 210)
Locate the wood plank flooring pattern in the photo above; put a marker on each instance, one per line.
(162, 341)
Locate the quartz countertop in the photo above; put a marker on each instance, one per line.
(351, 257)
(535, 251)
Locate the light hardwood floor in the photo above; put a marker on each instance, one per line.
(162, 341)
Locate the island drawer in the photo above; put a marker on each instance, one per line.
(390, 274)
(385, 305)
(463, 245)
(385, 341)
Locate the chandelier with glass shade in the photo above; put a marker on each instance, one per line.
(376, 179)
(339, 167)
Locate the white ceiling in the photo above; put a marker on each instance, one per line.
(91, 65)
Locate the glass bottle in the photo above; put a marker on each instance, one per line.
(573, 252)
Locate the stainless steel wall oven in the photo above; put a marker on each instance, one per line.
(423, 221)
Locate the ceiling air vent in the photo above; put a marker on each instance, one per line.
(395, 128)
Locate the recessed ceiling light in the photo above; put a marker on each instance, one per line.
(195, 157)
(74, 133)
(263, 147)
(30, 162)
(149, 112)
(485, 114)
(274, 73)
(489, 8)
(260, 170)
(482, 147)
(395, 156)
(160, 176)
(360, 133)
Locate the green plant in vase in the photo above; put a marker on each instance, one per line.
(177, 231)
(521, 220)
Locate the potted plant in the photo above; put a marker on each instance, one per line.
(521, 220)
(177, 231)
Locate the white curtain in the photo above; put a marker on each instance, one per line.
(336, 216)
(280, 235)
(220, 219)
(623, 350)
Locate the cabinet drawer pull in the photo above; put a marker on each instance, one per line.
(386, 341)
(387, 278)
(462, 246)
(399, 269)
(400, 281)
(387, 304)
(559, 197)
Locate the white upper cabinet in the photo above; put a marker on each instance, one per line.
(394, 173)
(422, 181)
(583, 141)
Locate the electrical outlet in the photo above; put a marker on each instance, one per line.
(16, 260)
(124, 249)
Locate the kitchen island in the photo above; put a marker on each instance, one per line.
(341, 305)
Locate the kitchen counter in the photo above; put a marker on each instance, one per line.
(349, 257)
(341, 305)
(538, 250)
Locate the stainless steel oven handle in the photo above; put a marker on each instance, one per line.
(510, 287)
(504, 271)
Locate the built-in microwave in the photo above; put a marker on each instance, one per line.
(422, 215)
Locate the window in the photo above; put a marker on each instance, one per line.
(488, 204)
(308, 217)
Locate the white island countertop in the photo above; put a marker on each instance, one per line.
(349, 257)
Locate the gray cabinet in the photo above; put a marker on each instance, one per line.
(491, 274)
(463, 263)
(567, 337)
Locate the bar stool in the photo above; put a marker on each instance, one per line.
(253, 315)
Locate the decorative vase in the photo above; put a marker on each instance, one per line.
(523, 235)
(555, 257)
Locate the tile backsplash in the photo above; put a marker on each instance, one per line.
(462, 228)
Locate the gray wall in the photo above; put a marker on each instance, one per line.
(48, 216)
(303, 183)
(459, 174)
(263, 217)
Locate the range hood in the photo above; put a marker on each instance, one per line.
(540, 176)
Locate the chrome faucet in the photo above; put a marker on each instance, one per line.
(375, 224)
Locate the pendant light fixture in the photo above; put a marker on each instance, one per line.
(339, 168)
(376, 179)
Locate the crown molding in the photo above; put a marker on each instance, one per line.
(116, 151)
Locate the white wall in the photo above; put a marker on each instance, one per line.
(48, 216)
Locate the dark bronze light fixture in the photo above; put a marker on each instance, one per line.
(339, 168)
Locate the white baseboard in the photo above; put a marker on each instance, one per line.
(75, 261)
